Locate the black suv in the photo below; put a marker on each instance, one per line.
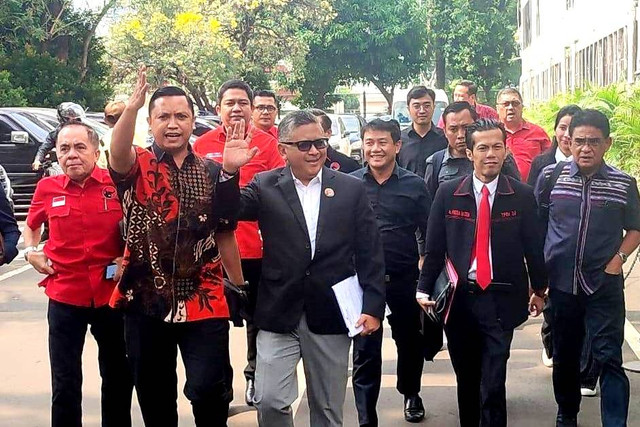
(21, 133)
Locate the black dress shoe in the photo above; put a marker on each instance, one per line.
(566, 421)
(413, 409)
(250, 392)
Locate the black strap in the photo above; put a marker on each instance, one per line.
(545, 196)
(436, 162)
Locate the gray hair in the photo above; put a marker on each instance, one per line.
(94, 139)
(507, 91)
(294, 120)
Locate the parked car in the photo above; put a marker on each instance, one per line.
(354, 124)
(339, 139)
(204, 125)
(21, 133)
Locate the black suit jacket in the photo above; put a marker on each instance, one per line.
(540, 162)
(515, 237)
(347, 241)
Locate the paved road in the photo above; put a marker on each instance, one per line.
(25, 386)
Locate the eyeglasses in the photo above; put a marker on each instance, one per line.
(267, 108)
(426, 106)
(591, 142)
(515, 103)
(305, 146)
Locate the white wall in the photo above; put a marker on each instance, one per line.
(568, 31)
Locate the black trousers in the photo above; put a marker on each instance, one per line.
(251, 270)
(67, 330)
(479, 349)
(152, 346)
(599, 316)
(589, 368)
(367, 351)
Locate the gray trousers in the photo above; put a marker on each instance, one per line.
(325, 359)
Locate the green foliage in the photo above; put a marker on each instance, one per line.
(198, 44)
(10, 96)
(42, 46)
(373, 41)
(477, 40)
(619, 102)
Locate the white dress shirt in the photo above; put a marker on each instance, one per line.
(309, 196)
(560, 157)
(477, 192)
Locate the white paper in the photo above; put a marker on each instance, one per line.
(349, 295)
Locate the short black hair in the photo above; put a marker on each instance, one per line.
(471, 86)
(484, 125)
(391, 126)
(169, 91)
(325, 120)
(94, 139)
(420, 92)
(266, 94)
(593, 118)
(235, 84)
(456, 107)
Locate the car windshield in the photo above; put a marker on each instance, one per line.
(33, 125)
(351, 123)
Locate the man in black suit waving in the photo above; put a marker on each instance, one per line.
(486, 224)
(318, 229)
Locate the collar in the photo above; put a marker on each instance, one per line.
(317, 178)
(411, 129)
(523, 126)
(448, 156)
(603, 170)
(160, 153)
(396, 171)
(96, 174)
(560, 157)
(492, 186)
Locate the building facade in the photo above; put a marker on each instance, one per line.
(569, 44)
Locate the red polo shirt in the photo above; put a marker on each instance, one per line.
(525, 144)
(274, 132)
(211, 145)
(84, 236)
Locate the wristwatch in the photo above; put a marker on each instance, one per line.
(28, 250)
(623, 256)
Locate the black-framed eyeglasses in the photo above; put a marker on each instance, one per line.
(305, 146)
(591, 142)
(267, 108)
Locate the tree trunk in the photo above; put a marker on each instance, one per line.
(440, 66)
(387, 93)
(487, 94)
(89, 36)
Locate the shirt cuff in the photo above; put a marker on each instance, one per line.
(420, 295)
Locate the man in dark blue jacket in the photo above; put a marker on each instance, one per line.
(8, 231)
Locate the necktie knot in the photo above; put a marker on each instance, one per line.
(485, 191)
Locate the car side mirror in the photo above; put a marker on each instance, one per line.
(19, 137)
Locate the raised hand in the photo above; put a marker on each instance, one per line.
(139, 95)
(237, 151)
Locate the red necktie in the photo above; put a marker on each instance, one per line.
(483, 265)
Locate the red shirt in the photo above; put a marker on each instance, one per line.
(211, 146)
(84, 236)
(525, 144)
(273, 132)
(484, 112)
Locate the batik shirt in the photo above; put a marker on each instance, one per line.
(172, 267)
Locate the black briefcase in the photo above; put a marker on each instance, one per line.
(238, 303)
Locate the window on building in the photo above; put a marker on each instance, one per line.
(570, 3)
(526, 25)
(537, 18)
